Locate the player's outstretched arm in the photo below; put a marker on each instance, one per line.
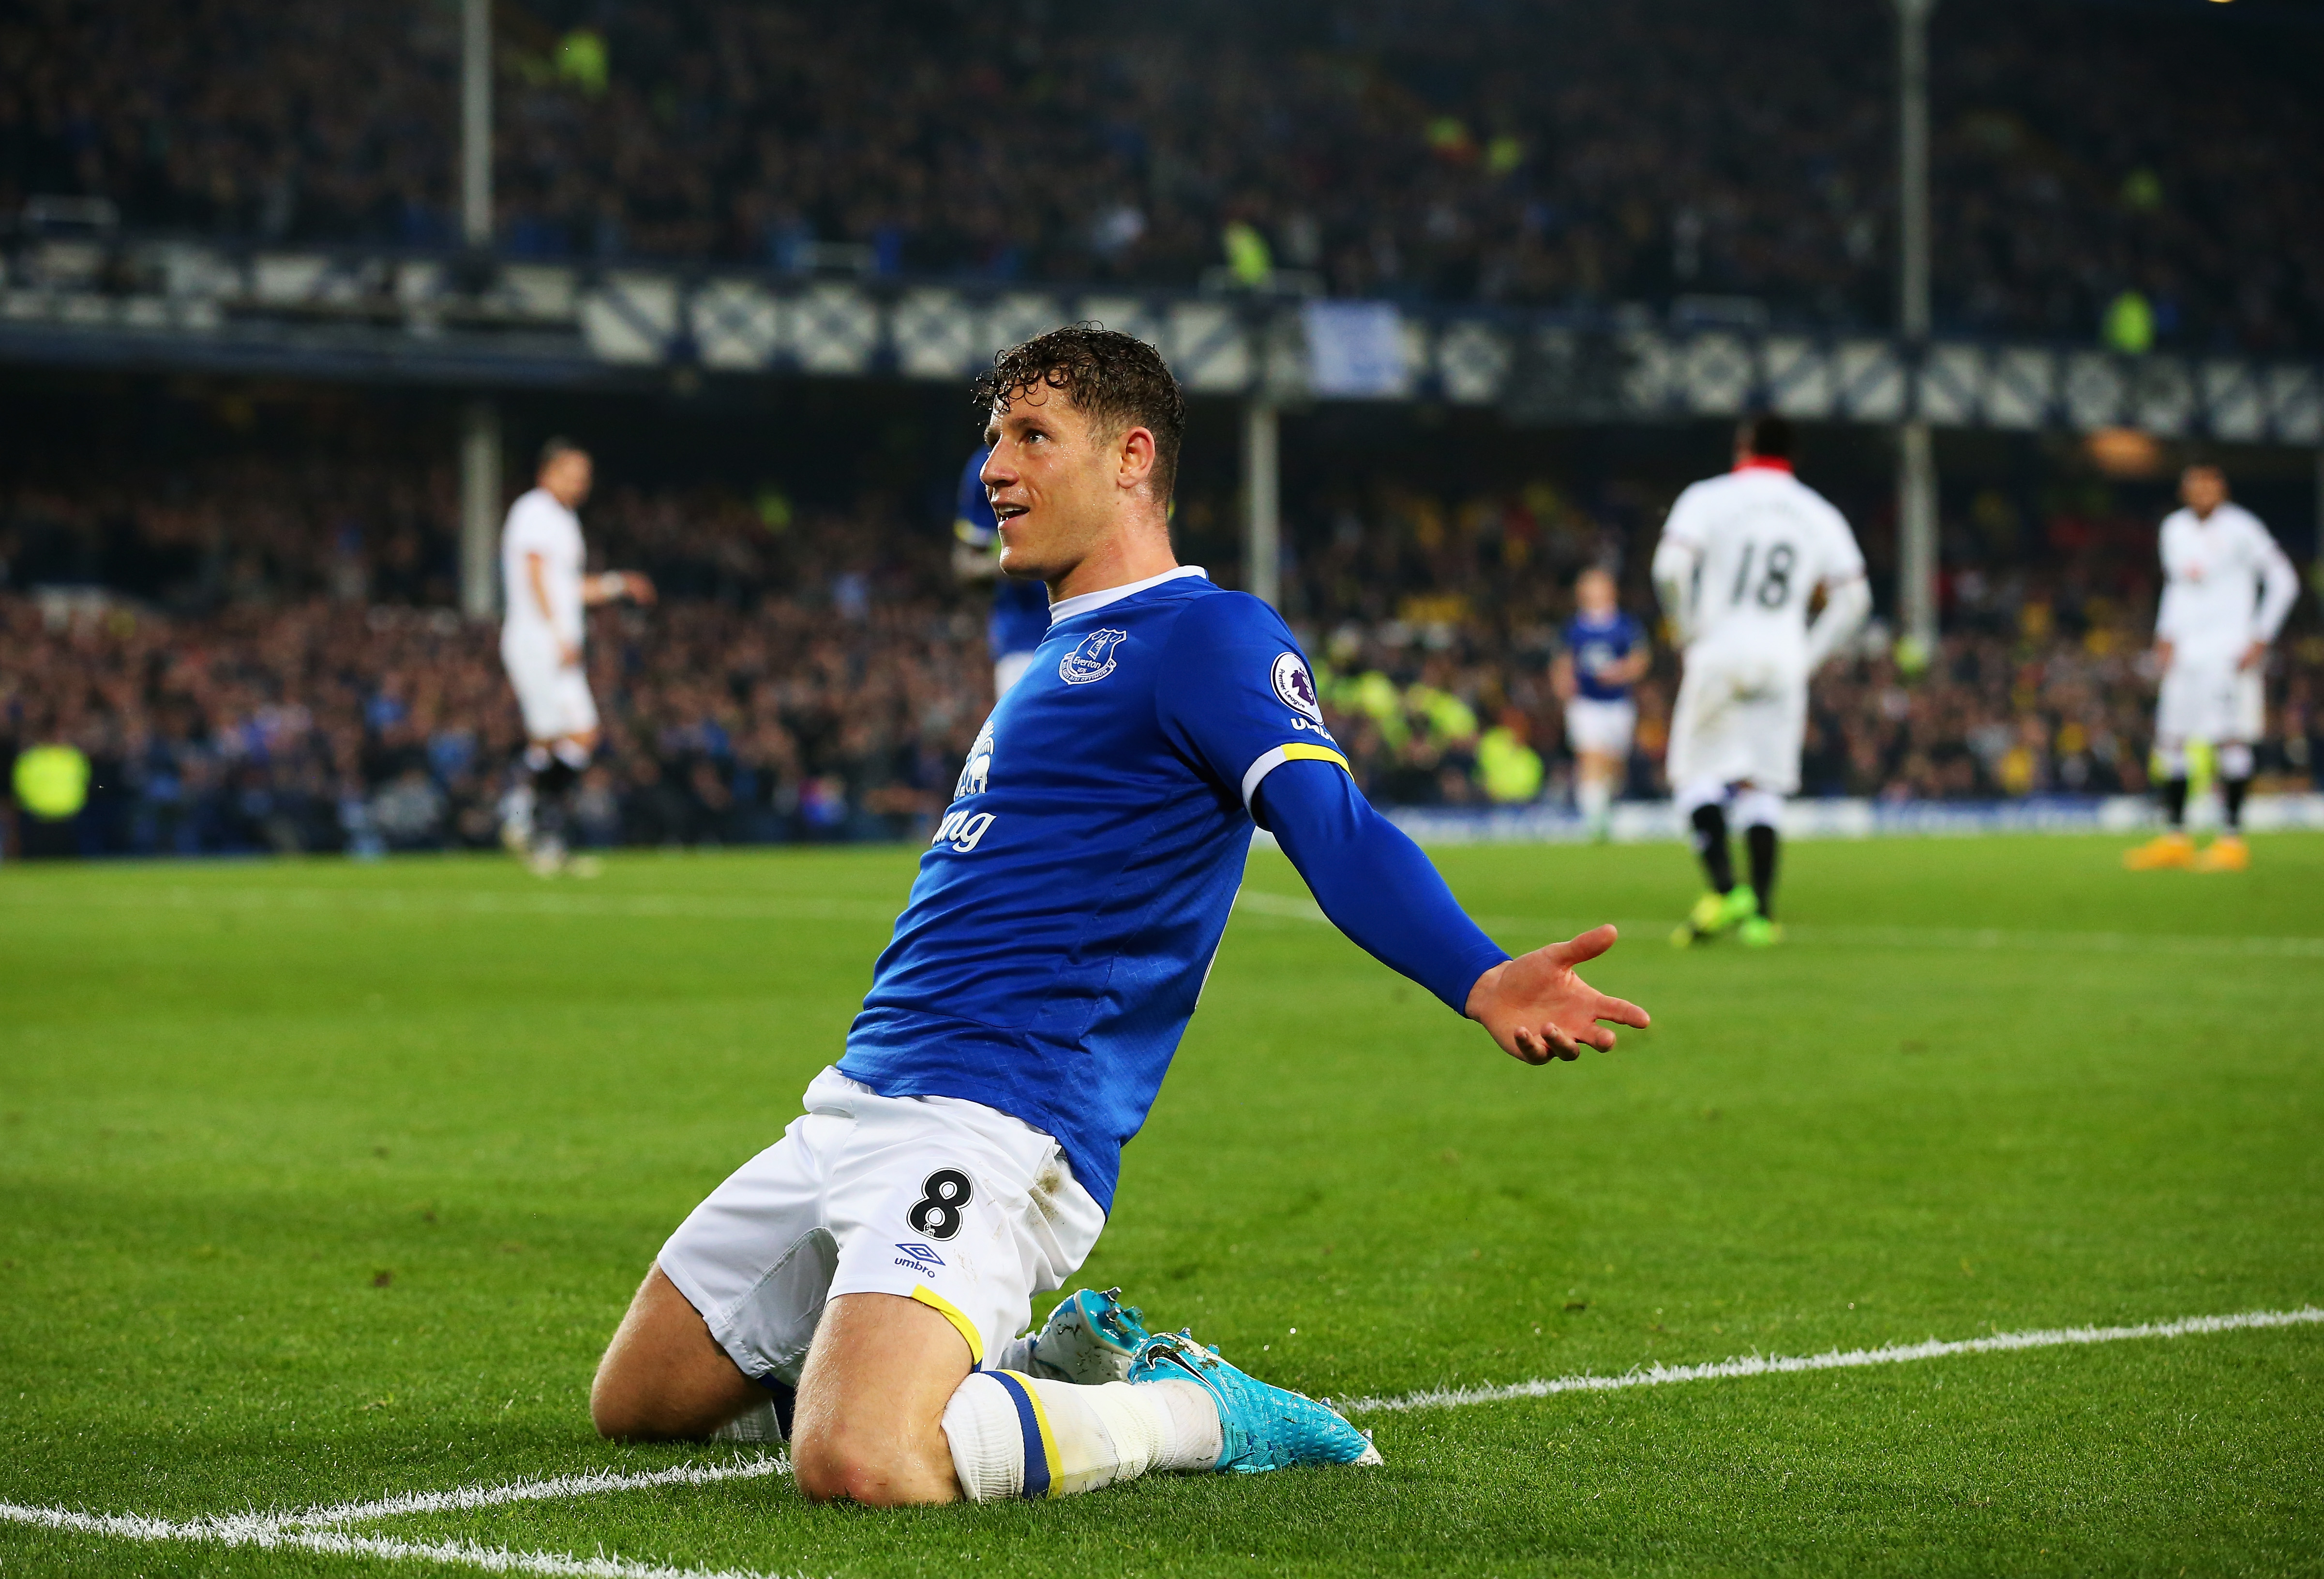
(1379, 888)
(633, 585)
(1539, 1009)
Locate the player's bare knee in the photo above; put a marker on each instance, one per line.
(870, 1467)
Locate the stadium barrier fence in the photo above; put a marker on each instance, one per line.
(1644, 822)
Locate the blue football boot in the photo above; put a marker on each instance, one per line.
(1089, 1339)
(1263, 1428)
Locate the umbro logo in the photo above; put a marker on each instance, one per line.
(922, 1252)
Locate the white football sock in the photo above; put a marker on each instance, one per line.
(759, 1423)
(1594, 799)
(1016, 1436)
(1016, 1355)
(1758, 808)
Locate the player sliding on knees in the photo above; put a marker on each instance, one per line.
(1741, 557)
(871, 1274)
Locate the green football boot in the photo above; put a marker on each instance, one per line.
(1715, 913)
(1759, 933)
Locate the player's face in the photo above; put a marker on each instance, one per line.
(568, 477)
(2203, 489)
(1052, 483)
(1593, 593)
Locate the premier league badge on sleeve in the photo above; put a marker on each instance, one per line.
(1092, 659)
(1297, 687)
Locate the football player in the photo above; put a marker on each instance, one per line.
(873, 1271)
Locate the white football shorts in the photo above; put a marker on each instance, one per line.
(952, 1203)
(1603, 729)
(2210, 699)
(1739, 719)
(1008, 669)
(554, 697)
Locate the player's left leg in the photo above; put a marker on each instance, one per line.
(890, 1413)
(2228, 852)
(1704, 806)
(548, 851)
(1601, 733)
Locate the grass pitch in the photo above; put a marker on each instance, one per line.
(323, 1182)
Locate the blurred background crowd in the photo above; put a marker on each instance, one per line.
(256, 658)
(225, 601)
(2117, 172)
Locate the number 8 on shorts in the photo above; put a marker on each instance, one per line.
(943, 1195)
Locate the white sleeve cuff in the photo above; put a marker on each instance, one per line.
(1268, 761)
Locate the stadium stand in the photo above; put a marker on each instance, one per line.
(264, 671)
(1563, 154)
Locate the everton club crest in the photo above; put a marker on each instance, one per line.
(1092, 659)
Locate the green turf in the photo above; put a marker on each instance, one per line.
(322, 1181)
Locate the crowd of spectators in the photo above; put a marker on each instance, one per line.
(2098, 166)
(303, 727)
(815, 676)
(1436, 625)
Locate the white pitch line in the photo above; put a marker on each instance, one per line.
(270, 1534)
(299, 1531)
(1834, 1360)
(589, 1483)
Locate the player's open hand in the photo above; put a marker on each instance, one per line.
(1537, 1009)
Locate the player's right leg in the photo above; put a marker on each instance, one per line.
(663, 1377)
(1703, 805)
(2172, 847)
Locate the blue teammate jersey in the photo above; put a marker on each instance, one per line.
(1068, 909)
(1597, 646)
(1021, 609)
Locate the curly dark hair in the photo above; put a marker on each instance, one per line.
(1115, 379)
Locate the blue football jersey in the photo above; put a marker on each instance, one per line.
(1067, 912)
(1597, 646)
(1021, 609)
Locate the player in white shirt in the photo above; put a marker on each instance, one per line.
(2228, 587)
(543, 575)
(1741, 558)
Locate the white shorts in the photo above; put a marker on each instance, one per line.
(1603, 729)
(2211, 700)
(951, 1203)
(1008, 669)
(554, 695)
(1738, 719)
